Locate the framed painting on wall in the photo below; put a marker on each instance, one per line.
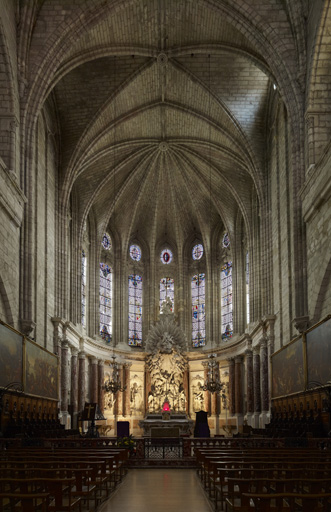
(41, 371)
(288, 369)
(11, 356)
(318, 341)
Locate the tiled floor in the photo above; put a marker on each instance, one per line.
(158, 490)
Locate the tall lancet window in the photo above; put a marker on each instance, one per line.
(167, 289)
(198, 294)
(226, 301)
(135, 310)
(247, 287)
(83, 278)
(105, 292)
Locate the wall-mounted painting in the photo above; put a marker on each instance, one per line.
(288, 374)
(41, 371)
(319, 353)
(11, 356)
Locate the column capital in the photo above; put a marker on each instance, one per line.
(94, 360)
(301, 323)
(65, 343)
(127, 365)
(56, 321)
(256, 350)
(74, 351)
(230, 360)
(101, 362)
(81, 355)
(249, 352)
(238, 359)
(27, 326)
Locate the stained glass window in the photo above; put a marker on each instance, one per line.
(135, 310)
(106, 242)
(197, 252)
(198, 291)
(135, 252)
(247, 288)
(166, 256)
(83, 277)
(226, 240)
(105, 292)
(167, 289)
(226, 300)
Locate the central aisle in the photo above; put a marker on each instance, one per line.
(158, 490)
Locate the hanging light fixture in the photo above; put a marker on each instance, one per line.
(213, 382)
(113, 385)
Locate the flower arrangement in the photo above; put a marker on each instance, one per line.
(126, 442)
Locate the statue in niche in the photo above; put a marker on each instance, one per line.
(166, 307)
(136, 394)
(198, 401)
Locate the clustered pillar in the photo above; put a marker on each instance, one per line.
(257, 379)
(74, 386)
(257, 387)
(81, 380)
(126, 393)
(249, 382)
(65, 386)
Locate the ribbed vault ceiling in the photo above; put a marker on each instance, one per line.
(162, 107)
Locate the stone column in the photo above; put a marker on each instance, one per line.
(215, 396)
(264, 381)
(119, 394)
(186, 390)
(101, 379)
(94, 380)
(81, 381)
(206, 394)
(232, 403)
(249, 385)
(57, 351)
(127, 391)
(214, 401)
(74, 387)
(257, 390)
(147, 387)
(65, 381)
(238, 390)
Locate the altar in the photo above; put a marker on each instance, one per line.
(171, 425)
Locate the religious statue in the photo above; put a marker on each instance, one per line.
(166, 307)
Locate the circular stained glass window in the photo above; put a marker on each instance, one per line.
(197, 252)
(166, 256)
(226, 241)
(135, 252)
(106, 242)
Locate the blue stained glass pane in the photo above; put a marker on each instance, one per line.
(198, 310)
(226, 241)
(106, 242)
(167, 289)
(135, 252)
(105, 293)
(197, 252)
(135, 310)
(166, 256)
(83, 278)
(247, 287)
(226, 301)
